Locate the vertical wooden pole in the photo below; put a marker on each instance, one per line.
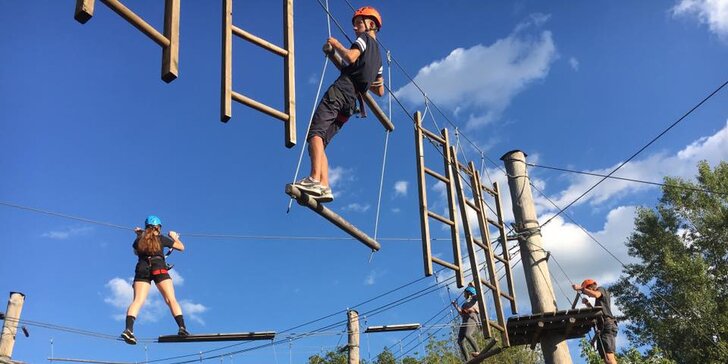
(454, 233)
(10, 326)
(289, 71)
(227, 62)
(170, 54)
(84, 10)
(506, 255)
(353, 337)
(422, 188)
(533, 257)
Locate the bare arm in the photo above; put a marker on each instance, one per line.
(177, 243)
(350, 55)
(377, 87)
(587, 291)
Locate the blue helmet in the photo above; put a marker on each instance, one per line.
(152, 220)
(470, 290)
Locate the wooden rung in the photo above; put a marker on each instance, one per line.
(500, 259)
(259, 106)
(497, 326)
(487, 283)
(489, 190)
(437, 175)
(259, 41)
(440, 218)
(493, 222)
(472, 205)
(464, 168)
(507, 296)
(480, 243)
(446, 264)
(434, 136)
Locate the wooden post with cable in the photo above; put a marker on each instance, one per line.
(533, 256)
(10, 326)
(353, 329)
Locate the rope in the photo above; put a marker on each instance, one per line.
(313, 110)
(386, 144)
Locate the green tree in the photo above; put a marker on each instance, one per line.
(676, 295)
(385, 357)
(628, 356)
(331, 357)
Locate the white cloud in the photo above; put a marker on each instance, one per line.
(371, 278)
(67, 233)
(121, 294)
(574, 63)
(653, 168)
(482, 80)
(400, 188)
(339, 175)
(357, 207)
(714, 13)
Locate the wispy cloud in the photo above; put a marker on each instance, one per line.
(121, 293)
(357, 207)
(480, 82)
(340, 175)
(400, 188)
(652, 168)
(714, 13)
(67, 233)
(371, 278)
(574, 63)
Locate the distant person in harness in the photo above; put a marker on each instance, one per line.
(152, 266)
(469, 314)
(607, 327)
(363, 72)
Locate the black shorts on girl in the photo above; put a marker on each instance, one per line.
(144, 271)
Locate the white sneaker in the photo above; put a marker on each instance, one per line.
(309, 186)
(325, 195)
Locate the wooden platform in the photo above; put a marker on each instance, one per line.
(238, 336)
(569, 324)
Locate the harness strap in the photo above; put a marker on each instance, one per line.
(362, 106)
(157, 272)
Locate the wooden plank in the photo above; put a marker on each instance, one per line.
(226, 86)
(422, 191)
(445, 263)
(433, 136)
(289, 77)
(440, 218)
(436, 175)
(239, 336)
(84, 10)
(337, 220)
(262, 43)
(170, 54)
(504, 244)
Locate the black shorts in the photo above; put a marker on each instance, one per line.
(332, 112)
(607, 340)
(144, 272)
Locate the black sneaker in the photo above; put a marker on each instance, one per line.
(183, 332)
(128, 337)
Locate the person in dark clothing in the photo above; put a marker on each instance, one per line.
(152, 266)
(607, 327)
(363, 72)
(469, 313)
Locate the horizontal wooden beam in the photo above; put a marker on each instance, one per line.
(137, 22)
(337, 220)
(259, 106)
(259, 41)
(239, 336)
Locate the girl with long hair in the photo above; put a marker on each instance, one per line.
(151, 266)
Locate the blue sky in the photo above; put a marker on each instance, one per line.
(88, 129)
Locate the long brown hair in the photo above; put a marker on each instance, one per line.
(149, 242)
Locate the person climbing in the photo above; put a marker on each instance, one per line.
(469, 313)
(363, 72)
(152, 266)
(607, 327)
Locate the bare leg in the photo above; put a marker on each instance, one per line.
(141, 290)
(610, 359)
(318, 158)
(166, 288)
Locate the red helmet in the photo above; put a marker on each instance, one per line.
(588, 282)
(368, 12)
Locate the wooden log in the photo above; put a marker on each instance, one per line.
(306, 200)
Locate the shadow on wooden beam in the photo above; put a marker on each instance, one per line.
(238, 336)
(306, 200)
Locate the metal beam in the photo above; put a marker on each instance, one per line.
(308, 201)
(388, 328)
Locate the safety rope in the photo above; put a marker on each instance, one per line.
(386, 145)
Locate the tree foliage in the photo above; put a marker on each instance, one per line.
(627, 356)
(676, 295)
